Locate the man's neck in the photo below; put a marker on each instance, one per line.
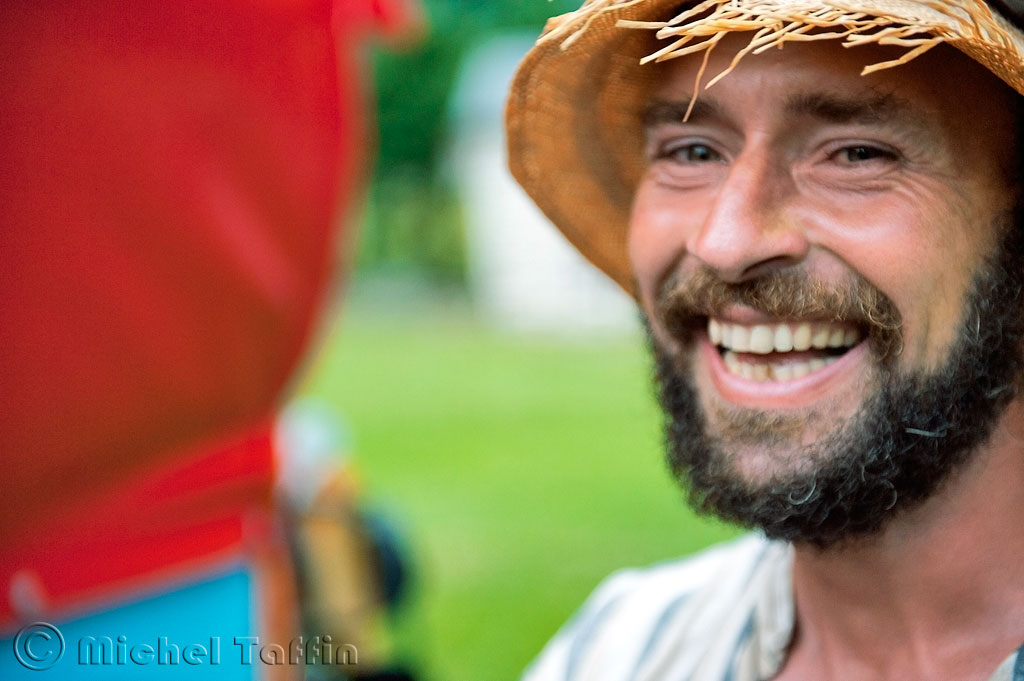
(940, 595)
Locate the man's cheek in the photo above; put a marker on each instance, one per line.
(656, 239)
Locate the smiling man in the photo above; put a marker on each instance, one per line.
(826, 243)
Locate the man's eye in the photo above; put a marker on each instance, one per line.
(692, 153)
(861, 153)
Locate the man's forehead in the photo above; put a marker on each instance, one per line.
(818, 81)
(867, 106)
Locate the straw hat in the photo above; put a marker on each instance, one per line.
(575, 107)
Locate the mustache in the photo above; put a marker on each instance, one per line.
(686, 300)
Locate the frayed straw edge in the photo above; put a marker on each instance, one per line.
(700, 28)
(775, 24)
(568, 27)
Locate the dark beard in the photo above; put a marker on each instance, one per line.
(906, 440)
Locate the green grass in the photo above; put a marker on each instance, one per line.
(523, 472)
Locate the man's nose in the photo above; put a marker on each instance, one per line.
(748, 231)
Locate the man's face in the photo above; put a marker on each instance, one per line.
(806, 245)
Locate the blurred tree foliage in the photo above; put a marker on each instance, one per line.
(414, 222)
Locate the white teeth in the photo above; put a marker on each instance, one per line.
(763, 372)
(802, 337)
(732, 362)
(763, 339)
(783, 372)
(783, 338)
(740, 338)
(726, 331)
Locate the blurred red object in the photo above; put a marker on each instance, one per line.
(174, 178)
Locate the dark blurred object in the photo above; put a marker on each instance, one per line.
(1011, 9)
(390, 556)
(330, 674)
(389, 675)
(351, 564)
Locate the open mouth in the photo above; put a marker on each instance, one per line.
(782, 351)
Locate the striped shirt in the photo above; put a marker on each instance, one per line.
(724, 615)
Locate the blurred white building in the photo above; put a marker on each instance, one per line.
(525, 276)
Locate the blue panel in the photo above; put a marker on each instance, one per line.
(188, 632)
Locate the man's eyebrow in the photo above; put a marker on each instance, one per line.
(832, 108)
(662, 112)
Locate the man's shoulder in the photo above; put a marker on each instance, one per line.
(698, 608)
